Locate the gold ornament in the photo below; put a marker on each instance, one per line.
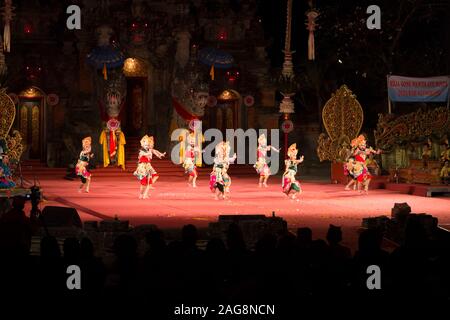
(343, 118)
(8, 113)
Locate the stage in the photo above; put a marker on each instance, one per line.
(173, 203)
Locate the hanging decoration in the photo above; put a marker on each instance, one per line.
(249, 101)
(7, 17)
(52, 99)
(211, 72)
(311, 25)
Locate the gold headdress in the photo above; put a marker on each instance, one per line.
(292, 150)
(147, 139)
(191, 138)
(262, 138)
(360, 140)
(86, 142)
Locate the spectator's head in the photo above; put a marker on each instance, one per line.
(125, 246)
(86, 248)
(370, 240)
(286, 243)
(334, 234)
(155, 238)
(235, 239)
(189, 235)
(304, 236)
(50, 247)
(71, 248)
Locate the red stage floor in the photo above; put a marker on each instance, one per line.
(173, 203)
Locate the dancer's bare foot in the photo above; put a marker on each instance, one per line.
(260, 185)
(347, 188)
(265, 185)
(87, 190)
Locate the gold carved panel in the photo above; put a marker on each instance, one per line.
(342, 117)
(8, 113)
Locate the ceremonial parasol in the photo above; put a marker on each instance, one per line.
(105, 57)
(216, 59)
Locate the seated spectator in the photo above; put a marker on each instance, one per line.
(334, 238)
(369, 253)
(92, 269)
(15, 230)
(51, 275)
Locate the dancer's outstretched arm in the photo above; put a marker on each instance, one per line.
(300, 160)
(158, 154)
(273, 149)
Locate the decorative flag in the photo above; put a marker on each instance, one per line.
(211, 72)
(105, 72)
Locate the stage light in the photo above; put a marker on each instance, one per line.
(130, 65)
(340, 61)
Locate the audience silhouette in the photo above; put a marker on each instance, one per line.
(280, 268)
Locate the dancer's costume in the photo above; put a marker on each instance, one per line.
(360, 153)
(219, 178)
(349, 168)
(113, 141)
(145, 171)
(289, 182)
(6, 181)
(82, 166)
(261, 165)
(190, 156)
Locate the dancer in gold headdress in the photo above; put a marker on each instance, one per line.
(289, 183)
(261, 165)
(145, 172)
(360, 170)
(82, 166)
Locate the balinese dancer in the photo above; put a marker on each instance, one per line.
(289, 183)
(220, 181)
(261, 165)
(190, 159)
(82, 167)
(145, 172)
(360, 153)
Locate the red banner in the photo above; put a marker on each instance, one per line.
(181, 110)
